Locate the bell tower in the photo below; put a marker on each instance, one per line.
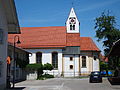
(72, 23)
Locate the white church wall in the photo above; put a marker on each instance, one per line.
(96, 65)
(67, 62)
(47, 58)
(84, 70)
(91, 65)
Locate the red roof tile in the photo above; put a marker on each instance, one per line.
(73, 39)
(87, 44)
(41, 37)
(45, 37)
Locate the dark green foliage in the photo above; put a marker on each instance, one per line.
(103, 66)
(35, 66)
(106, 31)
(114, 62)
(46, 76)
(22, 63)
(48, 66)
(38, 67)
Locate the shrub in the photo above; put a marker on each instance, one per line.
(37, 67)
(45, 76)
(48, 66)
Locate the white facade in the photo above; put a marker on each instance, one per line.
(71, 68)
(47, 58)
(64, 63)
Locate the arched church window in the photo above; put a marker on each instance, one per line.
(38, 57)
(83, 61)
(55, 60)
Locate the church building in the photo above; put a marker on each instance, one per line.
(61, 46)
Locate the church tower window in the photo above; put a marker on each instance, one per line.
(38, 57)
(55, 60)
(73, 27)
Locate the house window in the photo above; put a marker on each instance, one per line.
(0, 68)
(1, 36)
(83, 61)
(55, 60)
(71, 58)
(71, 66)
(94, 57)
(38, 57)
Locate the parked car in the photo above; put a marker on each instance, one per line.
(95, 77)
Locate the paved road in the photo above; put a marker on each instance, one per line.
(65, 84)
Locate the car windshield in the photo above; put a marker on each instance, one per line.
(95, 73)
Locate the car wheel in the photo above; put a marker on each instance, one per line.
(90, 81)
(101, 81)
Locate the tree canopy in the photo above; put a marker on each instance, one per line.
(106, 30)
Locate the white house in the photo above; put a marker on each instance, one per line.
(61, 46)
(8, 24)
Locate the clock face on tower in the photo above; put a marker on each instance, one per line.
(72, 20)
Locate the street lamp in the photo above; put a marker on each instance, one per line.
(14, 61)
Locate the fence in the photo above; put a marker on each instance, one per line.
(57, 74)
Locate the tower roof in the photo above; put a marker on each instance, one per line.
(72, 13)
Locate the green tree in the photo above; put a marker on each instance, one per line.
(103, 66)
(106, 31)
(38, 67)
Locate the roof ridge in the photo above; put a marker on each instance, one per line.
(42, 27)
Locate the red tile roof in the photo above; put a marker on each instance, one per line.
(87, 44)
(73, 39)
(43, 37)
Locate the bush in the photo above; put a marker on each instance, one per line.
(48, 66)
(45, 76)
(48, 76)
(37, 67)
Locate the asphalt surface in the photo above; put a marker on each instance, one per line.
(65, 84)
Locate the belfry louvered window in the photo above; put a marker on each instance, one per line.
(72, 27)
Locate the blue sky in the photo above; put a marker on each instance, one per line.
(42, 13)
